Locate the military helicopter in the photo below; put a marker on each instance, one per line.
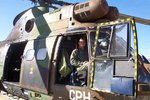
(34, 57)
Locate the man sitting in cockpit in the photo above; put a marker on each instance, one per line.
(79, 59)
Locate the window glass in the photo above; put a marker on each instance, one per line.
(103, 74)
(29, 54)
(131, 43)
(103, 41)
(119, 41)
(41, 55)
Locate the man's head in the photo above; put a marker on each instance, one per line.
(82, 43)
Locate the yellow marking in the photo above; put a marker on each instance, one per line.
(91, 85)
(101, 24)
(96, 38)
(135, 60)
(135, 93)
(32, 94)
(93, 53)
(97, 32)
(122, 20)
(102, 90)
(134, 40)
(35, 95)
(135, 79)
(117, 21)
(135, 47)
(95, 43)
(128, 19)
(135, 90)
(92, 63)
(135, 73)
(132, 21)
(135, 67)
(94, 48)
(92, 76)
(133, 27)
(92, 69)
(106, 23)
(111, 22)
(134, 34)
(135, 54)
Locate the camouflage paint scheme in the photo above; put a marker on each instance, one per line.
(40, 28)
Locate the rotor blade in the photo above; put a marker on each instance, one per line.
(61, 3)
(50, 2)
(137, 19)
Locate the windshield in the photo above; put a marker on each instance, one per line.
(119, 41)
(113, 63)
(111, 41)
(103, 41)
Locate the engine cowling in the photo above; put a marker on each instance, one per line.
(113, 14)
(91, 10)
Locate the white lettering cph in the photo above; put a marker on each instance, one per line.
(86, 97)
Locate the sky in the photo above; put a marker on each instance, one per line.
(140, 8)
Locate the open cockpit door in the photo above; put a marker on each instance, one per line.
(114, 61)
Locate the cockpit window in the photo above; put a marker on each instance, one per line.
(103, 41)
(119, 41)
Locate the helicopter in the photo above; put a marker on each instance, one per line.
(34, 57)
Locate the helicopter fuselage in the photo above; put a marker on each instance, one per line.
(32, 56)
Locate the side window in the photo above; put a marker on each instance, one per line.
(101, 42)
(119, 45)
(29, 55)
(41, 54)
